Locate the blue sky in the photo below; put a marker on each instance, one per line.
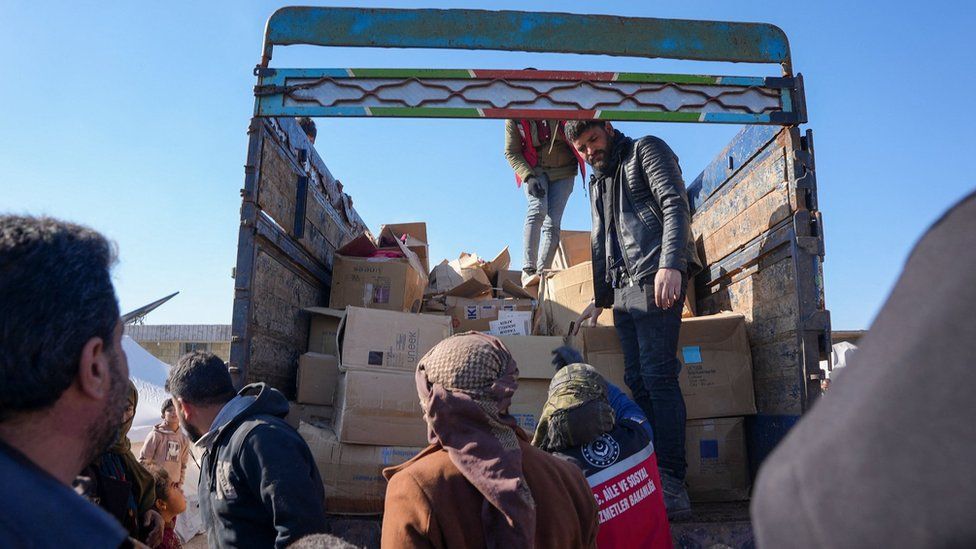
(131, 117)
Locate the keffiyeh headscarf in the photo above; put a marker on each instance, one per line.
(577, 410)
(465, 384)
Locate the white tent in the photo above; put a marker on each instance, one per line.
(149, 375)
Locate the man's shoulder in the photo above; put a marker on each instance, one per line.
(651, 143)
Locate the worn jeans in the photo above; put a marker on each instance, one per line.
(544, 216)
(649, 337)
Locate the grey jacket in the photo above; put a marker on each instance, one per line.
(650, 207)
(259, 486)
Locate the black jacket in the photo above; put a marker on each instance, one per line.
(259, 486)
(651, 208)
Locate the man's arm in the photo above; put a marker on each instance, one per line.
(625, 408)
(513, 151)
(407, 517)
(278, 468)
(663, 174)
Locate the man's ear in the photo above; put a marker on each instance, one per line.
(94, 369)
(609, 127)
(189, 411)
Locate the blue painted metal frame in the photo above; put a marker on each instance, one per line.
(528, 31)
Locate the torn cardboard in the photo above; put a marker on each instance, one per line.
(716, 372)
(574, 249)
(352, 474)
(380, 408)
(363, 276)
(715, 450)
(376, 339)
(416, 239)
(323, 330)
(498, 265)
(318, 375)
(564, 296)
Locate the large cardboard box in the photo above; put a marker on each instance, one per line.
(717, 466)
(365, 275)
(476, 314)
(527, 403)
(323, 330)
(533, 355)
(309, 413)
(601, 349)
(318, 375)
(380, 408)
(376, 339)
(716, 373)
(352, 474)
(416, 239)
(564, 295)
(574, 248)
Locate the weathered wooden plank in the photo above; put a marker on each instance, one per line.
(276, 188)
(736, 155)
(760, 217)
(777, 383)
(274, 362)
(278, 294)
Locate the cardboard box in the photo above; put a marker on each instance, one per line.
(463, 277)
(380, 408)
(323, 330)
(352, 474)
(376, 339)
(475, 314)
(533, 355)
(574, 248)
(717, 466)
(564, 295)
(600, 346)
(498, 265)
(527, 403)
(320, 416)
(416, 241)
(362, 276)
(318, 375)
(716, 373)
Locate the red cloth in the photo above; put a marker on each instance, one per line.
(532, 156)
(632, 512)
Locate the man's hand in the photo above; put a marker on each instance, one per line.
(154, 521)
(667, 287)
(591, 313)
(536, 186)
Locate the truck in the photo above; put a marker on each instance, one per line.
(754, 206)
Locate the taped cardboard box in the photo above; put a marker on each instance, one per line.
(532, 355)
(379, 408)
(323, 330)
(416, 239)
(375, 339)
(564, 295)
(527, 403)
(476, 314)
(320, 416)
(600, 346)
(366, 275)
(352, 474)
(318, 375)
(716, 372)
(574, 248)
(718, 469)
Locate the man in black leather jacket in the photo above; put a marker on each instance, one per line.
(643, 256)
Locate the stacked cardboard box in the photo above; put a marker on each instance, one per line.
(715, 450)
(380, 274)
(533, 356)
(563, 296)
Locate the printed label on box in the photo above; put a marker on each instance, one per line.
(708, 449)
(691, 354)
(471, 312)
(375, 358)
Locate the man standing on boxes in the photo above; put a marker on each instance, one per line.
(546, 163)
(643, 256)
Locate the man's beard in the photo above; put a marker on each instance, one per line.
(106, 431)
(190, 430)
(604, 162)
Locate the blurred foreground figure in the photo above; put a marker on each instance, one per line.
(886, 458)
(480, 483)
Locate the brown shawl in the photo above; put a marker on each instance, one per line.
(466, 384)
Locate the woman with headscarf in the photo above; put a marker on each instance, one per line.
(120, 485)
(480, 483)
(612, 445)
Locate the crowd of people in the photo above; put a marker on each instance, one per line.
(600, 469)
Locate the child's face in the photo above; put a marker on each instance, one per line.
(170, 417)
(176, 501)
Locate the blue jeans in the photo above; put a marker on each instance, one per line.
(544, 216)
(649, 337)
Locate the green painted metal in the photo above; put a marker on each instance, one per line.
(528, 31)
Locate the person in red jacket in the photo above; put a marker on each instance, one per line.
(591, 423)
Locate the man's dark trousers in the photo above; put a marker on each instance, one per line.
(649, 336)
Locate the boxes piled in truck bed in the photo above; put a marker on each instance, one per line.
(379, 408)
(477, 314)
(564, 295)
(468, 275)
(414, 237)
(376, 339)
(717, 466)
(382, 274)
(352, 473)
(533, 356)
(574, 248)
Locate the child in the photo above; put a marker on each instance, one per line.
(170, 502)
(167, 446)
